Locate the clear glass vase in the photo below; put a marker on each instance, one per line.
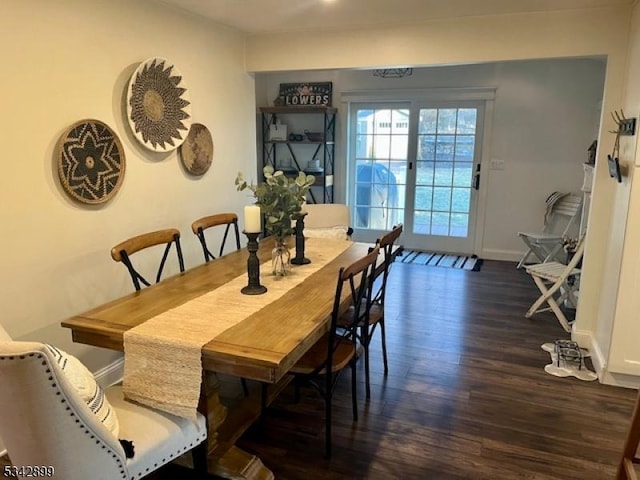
(280, 258)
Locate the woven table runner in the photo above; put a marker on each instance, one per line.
(163, 356)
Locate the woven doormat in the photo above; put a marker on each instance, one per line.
(432, 259)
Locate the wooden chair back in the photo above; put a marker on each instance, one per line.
(358, 278)
(387, 243)
(228, 219)
(123, 251)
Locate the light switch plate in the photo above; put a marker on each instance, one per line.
(496, 164)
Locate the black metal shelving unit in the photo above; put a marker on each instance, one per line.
(274, 152)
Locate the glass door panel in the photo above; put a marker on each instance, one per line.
(444, 202)
(381, 143)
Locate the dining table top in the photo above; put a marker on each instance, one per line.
(263, 346)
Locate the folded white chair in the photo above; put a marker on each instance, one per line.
(45, 422)
(562, 212)
(557, 282)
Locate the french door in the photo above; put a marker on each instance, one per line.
(416, 163)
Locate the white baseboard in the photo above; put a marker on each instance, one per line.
(585, 339)
(503, 255)
(111, 374)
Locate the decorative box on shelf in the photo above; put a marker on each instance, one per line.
(277, 132)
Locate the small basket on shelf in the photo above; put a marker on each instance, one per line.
(314, 136)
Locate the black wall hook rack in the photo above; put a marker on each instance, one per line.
(626, 126)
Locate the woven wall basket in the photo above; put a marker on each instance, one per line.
(196, 152)
(91, 162)
(158, 105)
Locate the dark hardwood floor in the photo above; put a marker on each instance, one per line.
(466, 396)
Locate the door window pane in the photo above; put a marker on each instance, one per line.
(422, 222)
(426, 147)
(399, 146)
(428, 120)
(362, 146)
(424, 197)
(443, 174)
(445, 147)
(461, 200)
(464, 148)
(424, 174)
(441, 199)
(459, 225)
(462, 175)
(447, 120)
(364, 121)
(440, 223)
(467, 118)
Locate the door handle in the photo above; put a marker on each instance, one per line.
(476, 181)
(476, 178)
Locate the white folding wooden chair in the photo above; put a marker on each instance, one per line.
(555, 278)
(547, 245)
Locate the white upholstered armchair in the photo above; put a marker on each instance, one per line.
(44, 421)
(327, 220)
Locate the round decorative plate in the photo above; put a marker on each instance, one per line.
(197, 150)
(158, 105)
(91, 161)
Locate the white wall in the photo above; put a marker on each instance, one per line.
(615, 338)
(488, 38)
(546, 114)
(68, 60)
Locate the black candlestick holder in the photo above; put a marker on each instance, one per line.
(253, 267)
(300, 259)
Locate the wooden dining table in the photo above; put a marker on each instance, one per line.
(261, 347)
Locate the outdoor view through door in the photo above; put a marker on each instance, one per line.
(416, 164)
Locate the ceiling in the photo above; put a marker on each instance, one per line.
(272, 16)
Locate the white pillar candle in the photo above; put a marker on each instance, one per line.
(252, 219)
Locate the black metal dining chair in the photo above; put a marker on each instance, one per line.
(322, 364)
(229, 220)
(124, 250)
(369, 321)
(198, 227)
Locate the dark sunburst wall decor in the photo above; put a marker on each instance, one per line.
(91, 161)
(158, 105)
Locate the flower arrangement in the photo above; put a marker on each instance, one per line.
(279, 198)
